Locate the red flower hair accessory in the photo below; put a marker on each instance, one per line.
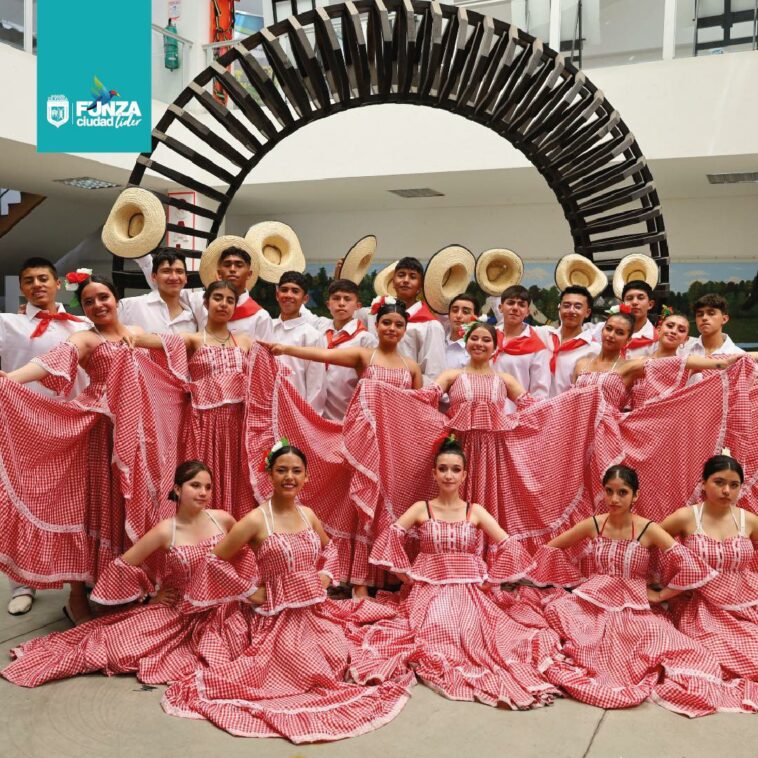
(379, 301)
(266, 462)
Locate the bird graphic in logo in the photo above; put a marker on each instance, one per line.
(101, 94)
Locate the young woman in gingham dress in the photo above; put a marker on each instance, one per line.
(164, 639)
(291, 680)
(616, 652)
(216, 361)
(722, 614)
(448, 630)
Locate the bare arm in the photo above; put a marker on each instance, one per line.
(481, 518)
(31, 372)
(446, 378)
(158, 538)
(656, 536)
(351, 357)
(513, 386)
(323, 536)
(678, 523)
(701, 362)
(414, 515)
(570, 537)
(417, 378)
(579, 368)
(247, 530)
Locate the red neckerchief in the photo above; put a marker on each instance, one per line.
(421, 315)
(343, 336)
(563, 347)
(45, 318)
(526, 344)
(248, 308)
(637, 342)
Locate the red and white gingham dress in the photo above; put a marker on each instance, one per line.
(73, 495)
(723, 614)
(291, 680)
(448, 630)
(214, 429)
(391, 438)
(157, 642)
(616, 651)
(661, 377)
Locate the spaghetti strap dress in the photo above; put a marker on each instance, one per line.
(291, 681)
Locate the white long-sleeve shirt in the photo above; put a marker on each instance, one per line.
(566, 361)
(17, 347)
(532, 370)
(151, 313)
(308, 377)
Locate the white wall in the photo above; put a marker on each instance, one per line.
(697, 229)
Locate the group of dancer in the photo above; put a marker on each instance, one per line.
(463, 461)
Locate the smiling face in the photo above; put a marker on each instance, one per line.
(290, 298)
(616, 333)
(170, 278)
(574, 310)
(99, 304)
(479, 344)
(449, 472)
(39, 286)
(221, 304)
(390, 328)
(461, 313)
(722, 488)
(407, 284)
(710, 320)
(514, 311)
(619, 496)
(674, 331)
(288, 475)
(234, 269)
(195, 493)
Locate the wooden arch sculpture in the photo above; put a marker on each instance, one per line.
(352, 54)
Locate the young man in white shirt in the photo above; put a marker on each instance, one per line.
(342, 330)
(167, 309)
(424, 340)
(711, 315)
(461, 312)
(521, 353)
(290, 328)
(234, 265)
(23, 336)
(638, 296)
(569, 341)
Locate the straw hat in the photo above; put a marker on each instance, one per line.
(576, 270)
(634, 266)
(278, 248)
(136, 224)
(211, 254)
(497, 269)
(355, 264)
(383, 281)
(447, 274)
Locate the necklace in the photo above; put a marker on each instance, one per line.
(220, 341)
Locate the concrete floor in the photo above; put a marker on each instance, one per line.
(98, 716)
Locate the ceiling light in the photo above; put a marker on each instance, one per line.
(423, 192)
(745, 177)
(87, 182)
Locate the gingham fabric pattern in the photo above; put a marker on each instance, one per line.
(159, 643)
(72, 497)
(291, 680)
(723, 614)
(448, 630)
(616, 652)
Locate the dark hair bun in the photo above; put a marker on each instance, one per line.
(173, 496)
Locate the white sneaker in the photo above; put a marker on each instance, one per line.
(20, 605)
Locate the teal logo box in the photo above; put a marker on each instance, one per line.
(93, 76)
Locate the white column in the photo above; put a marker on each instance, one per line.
(28, 26)
(555, 25)
(669, 29)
